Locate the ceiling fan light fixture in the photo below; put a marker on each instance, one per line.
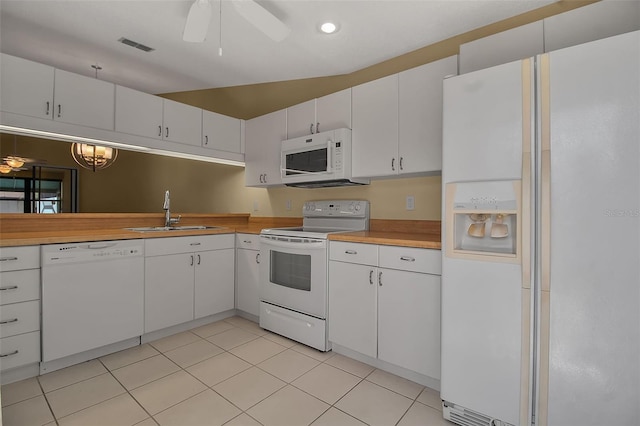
(14, 162)
(328, 27)
(5, 168)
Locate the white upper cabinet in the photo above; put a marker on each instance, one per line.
(263, 137)
(83, 100)
(507, 46)
(375, 128)
(220, 132)
(326, 113)
(26, 87)
(138, 113)
(420, 116)
(181, 123)
(397, 122)
(37, 90)
(593, 22)
(141, 114)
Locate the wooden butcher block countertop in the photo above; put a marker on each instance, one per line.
(28, 229)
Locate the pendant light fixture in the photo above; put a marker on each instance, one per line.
(93, 157)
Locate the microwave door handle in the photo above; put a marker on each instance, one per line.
(329, 156)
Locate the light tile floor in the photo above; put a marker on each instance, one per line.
(230, 372)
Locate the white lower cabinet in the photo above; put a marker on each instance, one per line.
(247, 273)
(384, 302)
(187, 278)
(19, 306)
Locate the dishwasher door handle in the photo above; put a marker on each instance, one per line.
(99, 246)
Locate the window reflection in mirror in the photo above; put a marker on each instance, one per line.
(40, 189)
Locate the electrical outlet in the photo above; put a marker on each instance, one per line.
(255, 205)
(411, 204)
(288, 204)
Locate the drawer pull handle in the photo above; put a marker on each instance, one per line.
(6, 259)
(350, 252)
(371, 277)
(194, 244)
(9, 321)
(11, 287)
(247, 241)
(408, 258)
(380, 278)
(9, 354)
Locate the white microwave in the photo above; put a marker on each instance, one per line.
(318, 160)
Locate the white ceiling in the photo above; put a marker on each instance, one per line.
(74, 34)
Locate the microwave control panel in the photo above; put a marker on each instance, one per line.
(337, 155)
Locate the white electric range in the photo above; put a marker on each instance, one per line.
(294, 270)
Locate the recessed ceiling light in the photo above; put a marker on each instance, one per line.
(328, 28)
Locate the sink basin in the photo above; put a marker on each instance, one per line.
(172, 228)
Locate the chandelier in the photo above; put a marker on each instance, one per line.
(93, 157)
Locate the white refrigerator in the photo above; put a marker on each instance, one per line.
(541, 240)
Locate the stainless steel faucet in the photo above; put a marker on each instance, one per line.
(168, 221)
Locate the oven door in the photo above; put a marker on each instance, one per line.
(293, 273)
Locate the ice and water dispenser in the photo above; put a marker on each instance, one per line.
(482, 219)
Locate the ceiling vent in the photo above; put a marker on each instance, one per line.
(135, 44)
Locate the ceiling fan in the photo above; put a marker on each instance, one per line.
(199, 18)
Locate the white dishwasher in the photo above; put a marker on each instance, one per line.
(92, 295)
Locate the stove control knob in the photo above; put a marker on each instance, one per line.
(311, 206)
(358, 207)
(351, 207)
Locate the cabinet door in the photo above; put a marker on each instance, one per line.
(138, 113)
(182, 123)
(409, 321)
(301, 119)
(168, 290)
(263, 138)
(220, 132)
(247, 280)
(375, 128)
(333, 111)
(352, 307)
(84, 101)
(26, 87)
(214, 285)
(420, 116)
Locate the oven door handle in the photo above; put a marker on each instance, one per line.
(315, 244)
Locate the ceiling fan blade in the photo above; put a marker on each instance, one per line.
(197, 25)
(262, 19)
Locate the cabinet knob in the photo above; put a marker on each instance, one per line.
(408, 258)
(318, 127)
(59, 110)
(198, 259)
(380, 278)
(371, 277)
(48, 109)
(401, 168)
(6, 259)
(258, 258)
(9, 354)
(9, 321)
(393, 164)
(167, 132)
(191, 264)
(159, 131)
(311, 128)
(206, 139)
(350, 252)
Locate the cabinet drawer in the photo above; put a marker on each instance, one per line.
(248, 241)
(19, 350)
(19, 286)
(17, 258)
(20, 318)
(366, 254)
(174, 245)
(411, 259)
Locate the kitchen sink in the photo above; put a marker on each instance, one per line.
(172, 228)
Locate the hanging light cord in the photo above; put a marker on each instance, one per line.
(220, 47)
